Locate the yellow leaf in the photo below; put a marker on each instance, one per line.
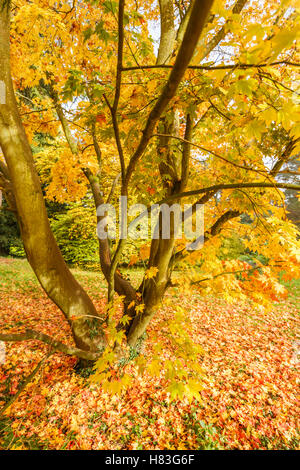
(155, 367)
(151, 272)
(176, 389)
(140, 308)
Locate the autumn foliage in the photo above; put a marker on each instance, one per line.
(190, 102)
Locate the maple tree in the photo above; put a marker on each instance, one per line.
(189, 120)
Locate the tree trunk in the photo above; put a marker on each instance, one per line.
(41, 248)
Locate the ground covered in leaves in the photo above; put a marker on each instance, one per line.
(250, 379)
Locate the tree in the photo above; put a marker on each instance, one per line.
(187, 125)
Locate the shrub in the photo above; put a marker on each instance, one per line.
(75, 233)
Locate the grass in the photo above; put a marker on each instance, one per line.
(293, 287)
(16, 274)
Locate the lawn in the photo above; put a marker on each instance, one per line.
(250, 377)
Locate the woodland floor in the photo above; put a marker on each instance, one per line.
(251, 375)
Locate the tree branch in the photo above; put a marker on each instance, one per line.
(217, 226)
(225, 273)
(167, 31)
(56, 345)
(113, 187)
(212, 232)
(284, 157)
(212, 190)
(183, 24)
(239, 5)
(117, 137)
(64, 123)
(186, 152)
(113, 108)
(213, 67)
(218, 187)
(189, 143)
(120, 55)
(196, 22)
